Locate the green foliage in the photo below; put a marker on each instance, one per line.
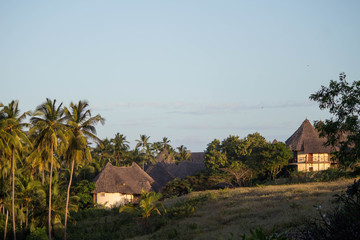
(149, 205)
(38, 234)
(330, 174)
(199, 182)
(83, 190)
(269, 159)
(214, 157)
(248, 158)
(342, 99)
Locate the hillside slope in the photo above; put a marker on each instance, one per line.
(233, 212)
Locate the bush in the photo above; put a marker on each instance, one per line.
(330, 174)
(341, 223)
(38, 234)
(199, 182)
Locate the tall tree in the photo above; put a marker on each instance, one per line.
(144, 143)
(270, 158)
(165, 143)
(48, 128)
(342, 99)
(81, 128)
(121, 146)
(157, 146)
(183, 154)
(15, 138)
(29, 191)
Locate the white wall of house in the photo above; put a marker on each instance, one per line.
(320, 162)
(113, 199)
(302, 167)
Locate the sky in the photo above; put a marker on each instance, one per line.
(191, 71)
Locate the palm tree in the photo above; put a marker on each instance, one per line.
(121, 145)
(5, 200)
(103, 153)
(157, 146)
(80, 128)
(15, 138)
(29, 190)
(183, 154)
(149, 204)
(48, 127)
(165, 143)
(146, 150)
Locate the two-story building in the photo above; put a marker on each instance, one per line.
(310, 153)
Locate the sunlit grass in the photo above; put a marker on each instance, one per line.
(236, 211)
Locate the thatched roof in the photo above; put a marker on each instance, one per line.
(306, 138)
(166, 169)
(185, 168)
(198, 156)
(160, 174)
(127, 180)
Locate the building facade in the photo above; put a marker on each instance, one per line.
(310, 153)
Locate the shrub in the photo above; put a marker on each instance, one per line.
(38, 234)
(341, 223)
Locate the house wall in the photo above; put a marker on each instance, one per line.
(113, 199)
(302, 167)
(320, 162)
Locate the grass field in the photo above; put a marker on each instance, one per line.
(233, 212)
(220, 214)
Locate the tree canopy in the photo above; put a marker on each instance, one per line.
(342, 130)
(248, 157)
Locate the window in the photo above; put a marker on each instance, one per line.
(102, 194)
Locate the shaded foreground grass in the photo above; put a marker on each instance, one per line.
(221, 214)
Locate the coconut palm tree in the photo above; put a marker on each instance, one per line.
(183, 154)
(149, 205)
(48, 128)
(145, 149)
(157, 146)
(5, 200)
(12, 124)
(121, 145)
(165, 143)
(81, 128)
(29, 190)
(103, 153)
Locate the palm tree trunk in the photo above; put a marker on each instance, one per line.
(67, 197)
(21, 219)
(13, 190)
(51, 171)
(6, 223)
(43, 177)
(27, 216)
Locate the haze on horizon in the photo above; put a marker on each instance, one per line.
(191, 71)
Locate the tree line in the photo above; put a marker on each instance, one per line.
(40, 159)
(247, 158)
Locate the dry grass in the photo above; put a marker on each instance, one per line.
(236, 211)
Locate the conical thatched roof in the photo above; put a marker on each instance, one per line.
(128, 180)
(307, 139)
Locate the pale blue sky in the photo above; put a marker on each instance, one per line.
(188, 70)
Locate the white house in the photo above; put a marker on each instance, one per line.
(310, 153)
(120, 185)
